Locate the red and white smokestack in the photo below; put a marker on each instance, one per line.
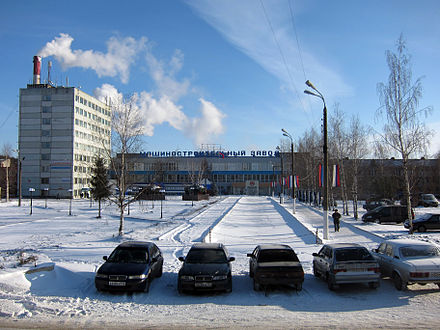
(37, 70)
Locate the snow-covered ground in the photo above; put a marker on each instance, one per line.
(73, 246)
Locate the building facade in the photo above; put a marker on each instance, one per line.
(61, 130)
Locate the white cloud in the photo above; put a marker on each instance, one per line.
(121, 53)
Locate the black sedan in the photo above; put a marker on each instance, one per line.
(275, 264)
(427, 221)
(207, 267)
(130, 267)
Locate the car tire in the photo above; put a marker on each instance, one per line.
(299, 287)
(251, 273)
(179, 287)
(147, 285)
(315, 271)
(421, 229)
(257, 286)
(330, 283)
(160, 272)
(398, 282)
(373, 285)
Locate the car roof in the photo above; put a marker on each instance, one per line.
(406, 242)
(274, 247)
(207, 246)
(135, 244)
(344, 245)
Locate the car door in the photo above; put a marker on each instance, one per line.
(385, 214)
(388, 260)
(324, 259)
(253, 260)
(433, 222)
(379, 255)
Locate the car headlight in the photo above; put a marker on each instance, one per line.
(137, 277)
(187, 278)
(220, 278)
(98, 275)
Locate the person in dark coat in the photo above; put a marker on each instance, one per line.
(336, 219)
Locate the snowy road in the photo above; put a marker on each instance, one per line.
(66, 297)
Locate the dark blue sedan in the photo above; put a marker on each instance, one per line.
(130, 267)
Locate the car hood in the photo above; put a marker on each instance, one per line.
(111, 268)
(424, 262)
(204, 269)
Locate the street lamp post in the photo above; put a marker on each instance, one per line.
(282, 176)
(70, 203)
(285, 133)
(325, 152)
(46, 192)
(31, 190)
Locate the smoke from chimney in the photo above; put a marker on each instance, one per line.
(37, 70)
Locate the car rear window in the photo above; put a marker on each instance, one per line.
(205, 256)
(129, 255)
(277, 255)
(419, 251)
(350, 254)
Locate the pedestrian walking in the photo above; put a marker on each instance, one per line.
(336, 219)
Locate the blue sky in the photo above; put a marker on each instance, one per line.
(221, 72)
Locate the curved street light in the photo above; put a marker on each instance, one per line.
(325, 152)
(285, 133)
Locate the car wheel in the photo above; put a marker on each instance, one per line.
(299, 287)
(229, 288)
(398, 282)
(179, 287)
(330, 283)
(160, 271)
(257, 286)
(251, 273)
(315, 270)
(421, 229)
(147, 285)
(373, 285)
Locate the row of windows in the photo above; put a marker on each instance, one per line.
(89, 148)
(91, 137)
(92, 127)
(92, 105)
(218, 178)
(84, 181)
(224, 166)
(82, 169)
(90, 115)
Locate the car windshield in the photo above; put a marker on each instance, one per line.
(277, 255)
(429, 197)
(206, 256)
(129, 255)
(349, 254)
(419, 251)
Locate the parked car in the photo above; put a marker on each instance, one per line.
(428, 200)
(424, 222)
(130, 267)
(346, 263)
(275, 264)
(386, 213)
(371, 205)
(207, 267)
(409, 261)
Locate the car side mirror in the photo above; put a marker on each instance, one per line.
(231, 258)
(314, 254)
(250, 255)
(182, 259)
(105, 258)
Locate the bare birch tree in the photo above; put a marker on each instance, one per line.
(403, 131)
(127, 130)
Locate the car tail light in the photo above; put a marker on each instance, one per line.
(418, 274)
(338, 270)
(374, 269)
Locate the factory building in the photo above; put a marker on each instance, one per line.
(61, 130)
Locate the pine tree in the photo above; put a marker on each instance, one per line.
(100, 184)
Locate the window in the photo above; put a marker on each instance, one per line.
(45, 180)
(45, 156)
(47, 109)
(46, 121)
(45, 145)
(45, 132)
(47, 97)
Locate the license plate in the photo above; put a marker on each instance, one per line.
(116, 283)
(203, 285)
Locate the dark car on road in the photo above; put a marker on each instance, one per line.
(275, 264)
(130, 267)
(341, 263)
(386, 213)
(207, 267)
(428, 200)
(371, 205)
(424, 222)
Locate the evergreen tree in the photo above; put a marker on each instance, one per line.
(100, 184)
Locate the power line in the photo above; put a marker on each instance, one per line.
(282, 54)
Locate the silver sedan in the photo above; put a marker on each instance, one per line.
(409, 261)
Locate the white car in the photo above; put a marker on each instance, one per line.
(409, 261)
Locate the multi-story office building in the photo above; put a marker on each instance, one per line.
(61, 130)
